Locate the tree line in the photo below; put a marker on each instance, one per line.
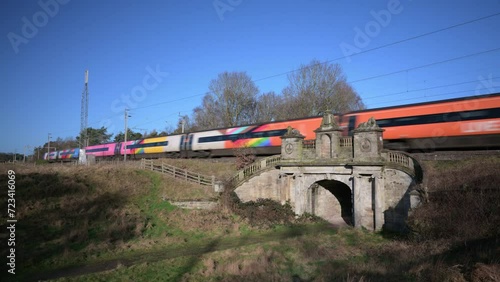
(234, 99)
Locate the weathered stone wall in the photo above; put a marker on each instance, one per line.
(397, 200)
(267, 185)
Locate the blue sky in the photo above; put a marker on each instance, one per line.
(158, 57)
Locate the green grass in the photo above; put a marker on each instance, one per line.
(88, 220)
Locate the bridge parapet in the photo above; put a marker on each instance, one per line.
(364, 147)
(258, 166)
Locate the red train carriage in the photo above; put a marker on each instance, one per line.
(463, 123)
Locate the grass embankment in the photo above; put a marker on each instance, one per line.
(78, 220)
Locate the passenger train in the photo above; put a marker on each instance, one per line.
(453, 124)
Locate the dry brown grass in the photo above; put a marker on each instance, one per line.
(220, 168)
(173, 189)
(460, 223)
(463, 202)
(61, 209)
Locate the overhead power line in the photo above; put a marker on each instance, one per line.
(389, 44)
(424, 66)
(339, 58)
(423, 89)
(363, 52)
(354, 81)
(442, 94)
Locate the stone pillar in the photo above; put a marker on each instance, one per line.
(291, 144)
(300, 193)
(368, 197)
(328, 137)
(379, 201)
(362, 202)
(368, 142)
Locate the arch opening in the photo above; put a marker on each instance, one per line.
(332, 201)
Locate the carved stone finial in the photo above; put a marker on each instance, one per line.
(328, 122)
(370, 125)
(292, 132)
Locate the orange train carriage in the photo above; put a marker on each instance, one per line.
(463, 123)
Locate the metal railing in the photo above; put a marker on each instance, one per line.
(178, 172)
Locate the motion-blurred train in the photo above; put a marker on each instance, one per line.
(453, 124)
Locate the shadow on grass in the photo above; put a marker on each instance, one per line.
(195, 250)
(59, 214)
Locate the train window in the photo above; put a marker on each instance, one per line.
(477, 114)
(68, 153)
(441, 117)
(384, 123)
(210, 139)
(279, 132)
(350, 126)
(247, 135)
(104, 149)
(147, 145)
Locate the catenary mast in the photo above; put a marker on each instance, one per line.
(85, 113)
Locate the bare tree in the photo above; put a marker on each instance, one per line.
(318, 87)
(184, 125)
(231, 101)
(269, 107)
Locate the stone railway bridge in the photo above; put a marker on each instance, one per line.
(345, 180)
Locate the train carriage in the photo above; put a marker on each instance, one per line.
(68, 154)
(264, 138)
(107, 150)
(152, 147)
(52, 156)
(472, 122)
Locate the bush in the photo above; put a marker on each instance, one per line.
(260, 213)
(244, 156)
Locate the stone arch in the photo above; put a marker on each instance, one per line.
(332, 201)
(326, 146)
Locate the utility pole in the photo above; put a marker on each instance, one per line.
(48, 147)
(25, 147)
(183, 122)
(125, 142)
(84, 142)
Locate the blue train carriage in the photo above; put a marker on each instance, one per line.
(69, 155)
